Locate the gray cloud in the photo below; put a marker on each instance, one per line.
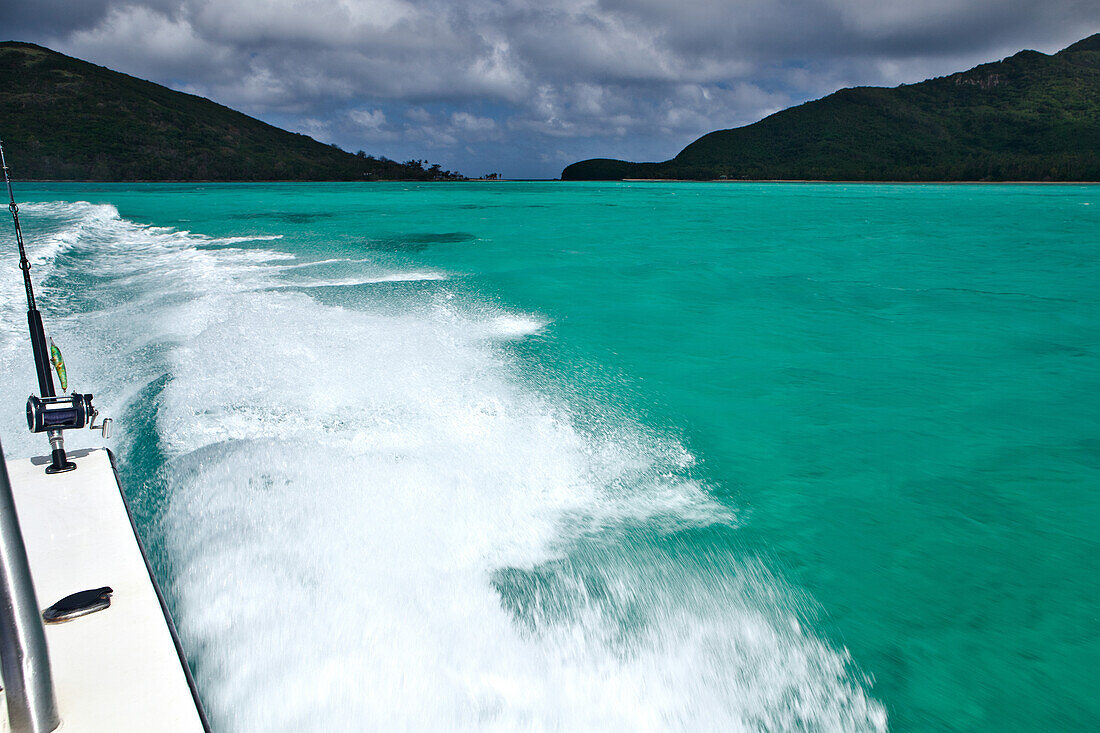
(525, 86)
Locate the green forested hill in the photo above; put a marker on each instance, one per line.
(66, 119)
(1028, 117)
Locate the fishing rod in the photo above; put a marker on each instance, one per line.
(49, 413)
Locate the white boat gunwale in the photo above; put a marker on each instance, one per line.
(122, 668)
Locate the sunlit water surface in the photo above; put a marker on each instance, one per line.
(597, 457)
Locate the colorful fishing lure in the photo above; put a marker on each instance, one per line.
(59, 365)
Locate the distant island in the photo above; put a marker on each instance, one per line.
(1029, 117)
(66, 119)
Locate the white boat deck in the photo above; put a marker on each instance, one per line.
(117, 669)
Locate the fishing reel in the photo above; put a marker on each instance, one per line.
(70, 412)
(52, 415)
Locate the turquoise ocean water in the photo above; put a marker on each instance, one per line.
(549, 456)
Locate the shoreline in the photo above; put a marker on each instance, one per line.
(826, 180)
(620, 180)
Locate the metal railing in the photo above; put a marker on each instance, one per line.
(24, 660)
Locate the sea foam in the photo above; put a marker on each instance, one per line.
(373, 518)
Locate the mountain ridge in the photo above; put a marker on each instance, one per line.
(1030, 116)
(68, 119)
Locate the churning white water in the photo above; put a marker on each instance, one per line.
(375, 518)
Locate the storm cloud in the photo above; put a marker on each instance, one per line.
(524, 87)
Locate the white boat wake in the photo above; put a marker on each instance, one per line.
(375, 519)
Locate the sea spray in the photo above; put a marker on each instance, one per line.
(372, 518)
